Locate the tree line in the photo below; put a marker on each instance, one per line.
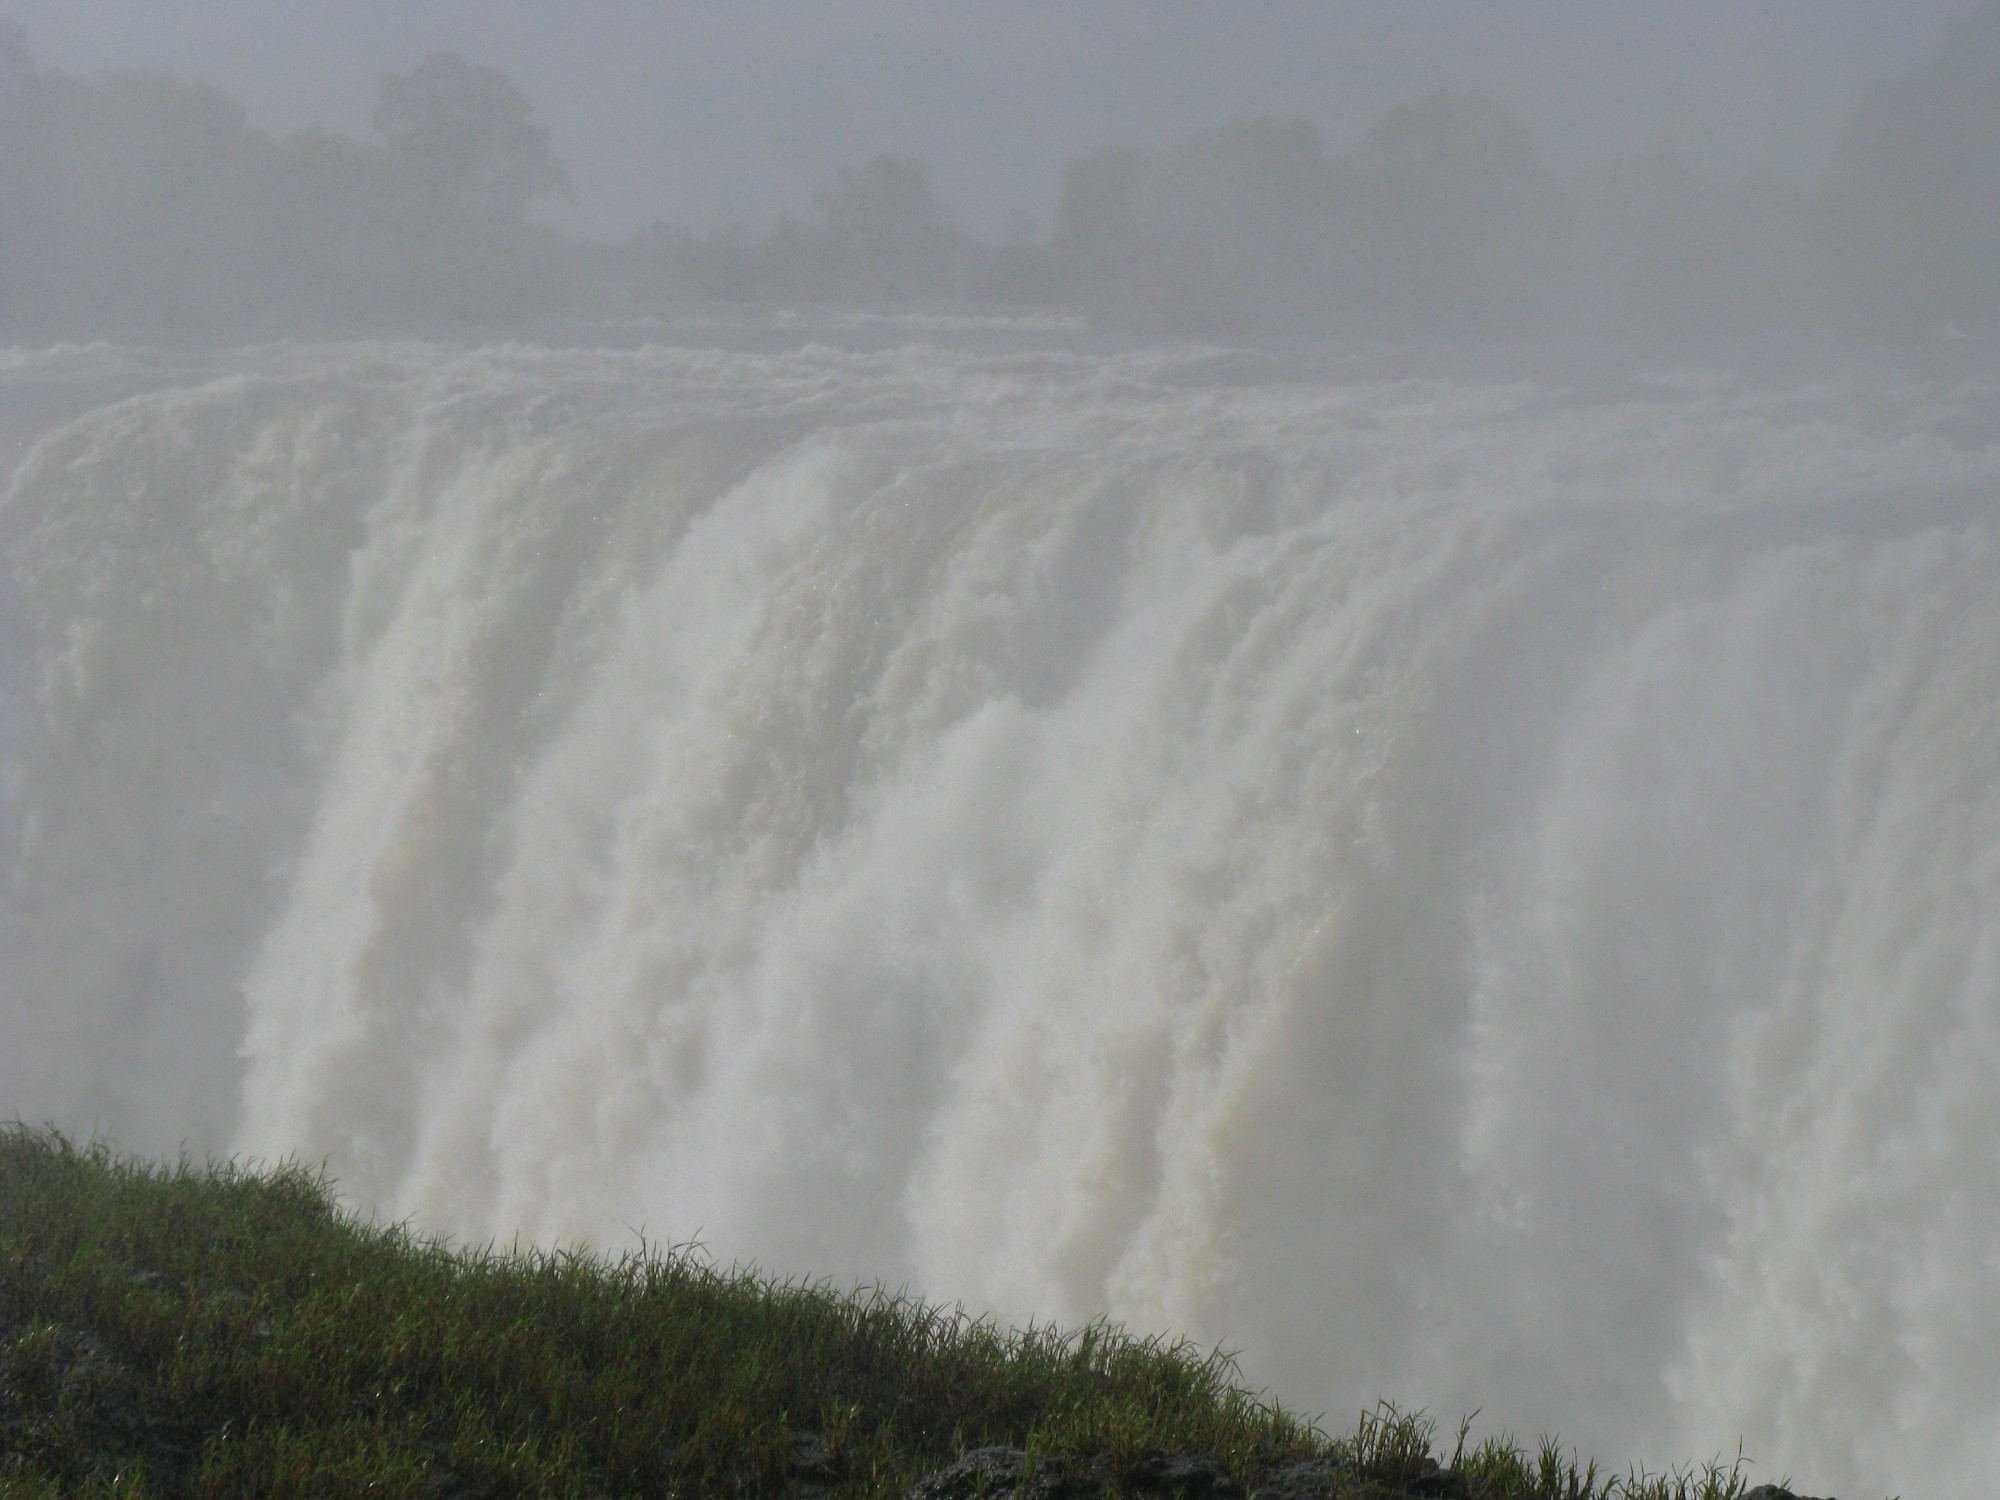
(142, 202)
(138, 202)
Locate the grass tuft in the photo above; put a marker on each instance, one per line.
(215, 1331)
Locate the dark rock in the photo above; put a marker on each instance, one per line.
(160, 1283)
(233, 1304)
(1187, 1474)
(1436, 1482)
(1774, 1492)
(70, 1376)
(241, 1307)
(1305, 1479)
(813, 1457)
(1010, 1472)
(1000, 1472)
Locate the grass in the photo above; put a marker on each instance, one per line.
(213, 1331)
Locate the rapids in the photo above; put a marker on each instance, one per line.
(1483, 891)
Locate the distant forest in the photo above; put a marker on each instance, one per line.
(143, 204)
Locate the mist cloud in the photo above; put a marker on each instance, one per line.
(141, 202)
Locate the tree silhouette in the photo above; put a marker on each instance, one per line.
(1233, 230)
(463, 131)
(1912, 211)
(883, 234)
(1463, 227)
(17, 58)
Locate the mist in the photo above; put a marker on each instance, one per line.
(150, 201)
(1324, 681)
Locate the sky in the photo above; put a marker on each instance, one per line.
(703, 114)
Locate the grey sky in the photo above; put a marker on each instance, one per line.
(735, 109)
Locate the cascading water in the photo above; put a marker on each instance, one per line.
(1481, 893)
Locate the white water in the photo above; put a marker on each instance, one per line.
(1485, 894)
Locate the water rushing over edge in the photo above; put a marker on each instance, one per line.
(1482, 893)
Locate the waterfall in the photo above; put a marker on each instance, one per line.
(1482, 891)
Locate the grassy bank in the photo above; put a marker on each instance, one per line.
(196, 1331)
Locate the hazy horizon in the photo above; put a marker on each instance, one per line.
(701, 117)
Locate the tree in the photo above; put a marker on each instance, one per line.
(1466, 231)
(1912, 212)
(125, 202)
(1232, 231)
(1663, 251)
(463, 131)
(17, 58)
(883, 235)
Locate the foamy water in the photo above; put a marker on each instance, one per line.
(1480, 892)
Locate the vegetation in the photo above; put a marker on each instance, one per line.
(140, 203)
(137, 202)
(1443, 222)
(219, 1332)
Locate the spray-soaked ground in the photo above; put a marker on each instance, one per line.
(1486, 894)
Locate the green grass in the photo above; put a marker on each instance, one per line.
(213, 1331)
